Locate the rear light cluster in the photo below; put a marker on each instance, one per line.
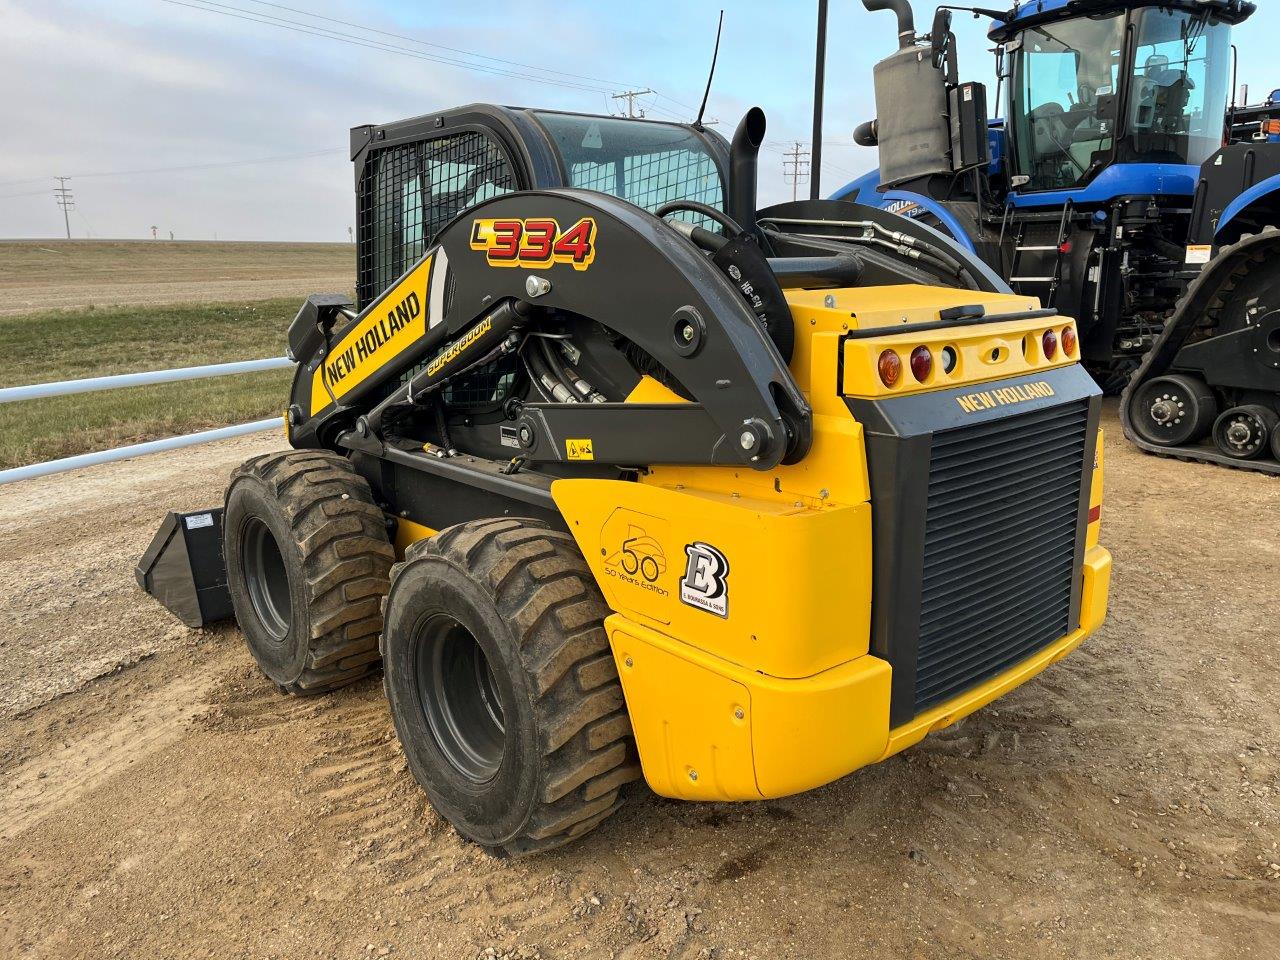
(921, 360)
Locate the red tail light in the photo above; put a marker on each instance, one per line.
(890, 366)
(921, 363)
(1050, 343)
(1069, 341)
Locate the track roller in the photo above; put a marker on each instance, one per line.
(1174, 410)
(1244, 432)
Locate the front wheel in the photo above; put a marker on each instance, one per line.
(502, 686)
(307, 560)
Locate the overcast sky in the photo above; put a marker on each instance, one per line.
(133, 88)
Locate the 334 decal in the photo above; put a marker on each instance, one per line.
(535, 243)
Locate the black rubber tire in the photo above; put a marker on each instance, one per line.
(319, 630)
(1275, 443)
(1195, 405)
(1263, 422)
(522, 594)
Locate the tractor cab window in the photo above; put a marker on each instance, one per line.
(409, 192)
(639, 161)
(1064, 92)
(1179, 88)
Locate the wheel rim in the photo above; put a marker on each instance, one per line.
(1167, 413)
(1242, 434)
(267, 578)
(459, 698)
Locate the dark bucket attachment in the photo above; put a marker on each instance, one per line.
(183, 568)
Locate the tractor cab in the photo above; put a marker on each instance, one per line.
(1083, 195)
(1091, 86)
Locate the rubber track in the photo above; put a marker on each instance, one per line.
(1205, 297)
(542, 587)
(346, 560)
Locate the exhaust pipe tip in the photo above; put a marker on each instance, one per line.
(744, 154)
(906, 19)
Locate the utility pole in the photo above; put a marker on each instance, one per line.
(819, 82)
(630, 97)
(64, 198)
(795, 167)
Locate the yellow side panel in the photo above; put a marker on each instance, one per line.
(1095, 494)
(707, 730)
(685, 717)
(767, 585)
(409, 533)
(395, 323)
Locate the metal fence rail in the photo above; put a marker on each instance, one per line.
(64, 388)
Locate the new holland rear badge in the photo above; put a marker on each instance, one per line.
(705, 583)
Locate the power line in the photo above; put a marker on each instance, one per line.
(180, 169)
(253, 16)
(64, 198)
(439, 46)
(315, 30)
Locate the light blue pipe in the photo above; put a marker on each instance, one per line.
(137, 449)
(62, 388)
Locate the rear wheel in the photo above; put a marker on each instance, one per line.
(307, 566)
(1245, 432)
(1173, 411)
(502, 686)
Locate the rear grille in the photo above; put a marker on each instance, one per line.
(1000, 546)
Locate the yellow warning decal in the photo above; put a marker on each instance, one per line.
(395, 323)
(579, 450)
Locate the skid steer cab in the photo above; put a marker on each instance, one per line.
(617, 476)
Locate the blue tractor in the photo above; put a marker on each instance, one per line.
(1123, 187)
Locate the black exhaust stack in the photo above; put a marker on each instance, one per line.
(744, 153)
(906, 20)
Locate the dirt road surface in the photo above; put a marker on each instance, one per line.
(162, 800)
(67, 274)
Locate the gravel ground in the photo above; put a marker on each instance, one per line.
(163, 800)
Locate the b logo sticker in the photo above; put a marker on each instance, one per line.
(705, 583)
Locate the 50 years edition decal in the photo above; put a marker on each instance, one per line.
(537, 242)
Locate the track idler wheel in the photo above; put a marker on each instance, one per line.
(1245, 432)
(1275, 443)
(1174, 411)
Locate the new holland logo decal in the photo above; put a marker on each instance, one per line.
(1004, 396)
(392, 325)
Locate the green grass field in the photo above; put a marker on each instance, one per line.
(64, 345)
